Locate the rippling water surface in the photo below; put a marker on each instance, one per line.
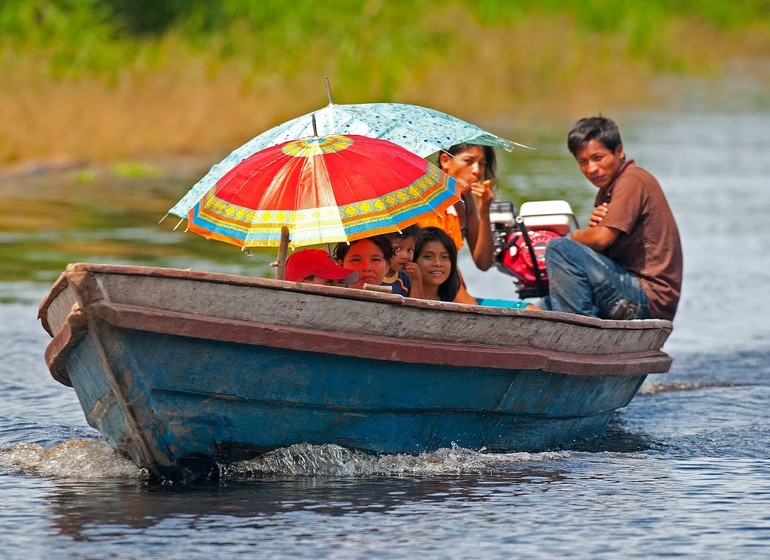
(682, 471)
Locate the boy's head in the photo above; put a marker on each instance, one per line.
(315, 266)
(403, 243)
(595, 142)
(601, 129)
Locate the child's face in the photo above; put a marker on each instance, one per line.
(367, 258)
(403, 252)
(435, 263)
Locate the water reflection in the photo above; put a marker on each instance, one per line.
(58, 218)
(619, 437)
(80, 509)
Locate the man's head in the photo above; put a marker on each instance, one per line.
(595, 143)
(315, 266)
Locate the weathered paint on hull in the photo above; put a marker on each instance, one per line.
(186, 399)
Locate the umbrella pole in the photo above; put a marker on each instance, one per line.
(328, 89)
(283, 249)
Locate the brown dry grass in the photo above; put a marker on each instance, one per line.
(540, 69)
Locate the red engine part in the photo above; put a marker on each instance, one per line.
(517, 260)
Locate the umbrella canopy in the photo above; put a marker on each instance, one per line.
(324, 189)
(420, 130)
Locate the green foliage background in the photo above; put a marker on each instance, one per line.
(77, 36)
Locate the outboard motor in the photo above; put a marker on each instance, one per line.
(520, 241)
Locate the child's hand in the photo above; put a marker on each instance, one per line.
(413, 271)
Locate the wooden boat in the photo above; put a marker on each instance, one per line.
(181, 369)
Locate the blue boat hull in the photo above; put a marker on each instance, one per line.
(219, 401)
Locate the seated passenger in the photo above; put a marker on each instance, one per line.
(474, 168)
(315, 266)
(368, 256)
(627, 264)
(436, 256)
(403, 274)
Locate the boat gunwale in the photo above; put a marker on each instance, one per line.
(60, 285)
(82, 278)
(381, 348)
(344, 293)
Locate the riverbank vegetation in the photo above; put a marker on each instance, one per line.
(108, 80)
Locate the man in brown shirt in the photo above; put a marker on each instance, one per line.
(627, 264)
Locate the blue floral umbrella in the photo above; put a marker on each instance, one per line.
(420, 130)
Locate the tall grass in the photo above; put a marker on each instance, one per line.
(112, 79)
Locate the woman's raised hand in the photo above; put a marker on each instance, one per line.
(484, 192)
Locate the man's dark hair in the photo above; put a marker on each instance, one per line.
(599, 128)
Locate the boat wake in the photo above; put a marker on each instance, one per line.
(654, 388)
(94, 459)
(73, 459)
(333, 460)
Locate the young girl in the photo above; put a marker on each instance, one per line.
(436, 256)
(473, 167)
(369, 256)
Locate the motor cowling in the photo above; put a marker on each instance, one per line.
(543, 222)
(517, 259)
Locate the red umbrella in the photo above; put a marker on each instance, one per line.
(323, 189)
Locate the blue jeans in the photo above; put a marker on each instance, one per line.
(585, 282)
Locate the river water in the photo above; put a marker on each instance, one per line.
(683, 470)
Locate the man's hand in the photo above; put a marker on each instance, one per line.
(597, 215)
(597, 237)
